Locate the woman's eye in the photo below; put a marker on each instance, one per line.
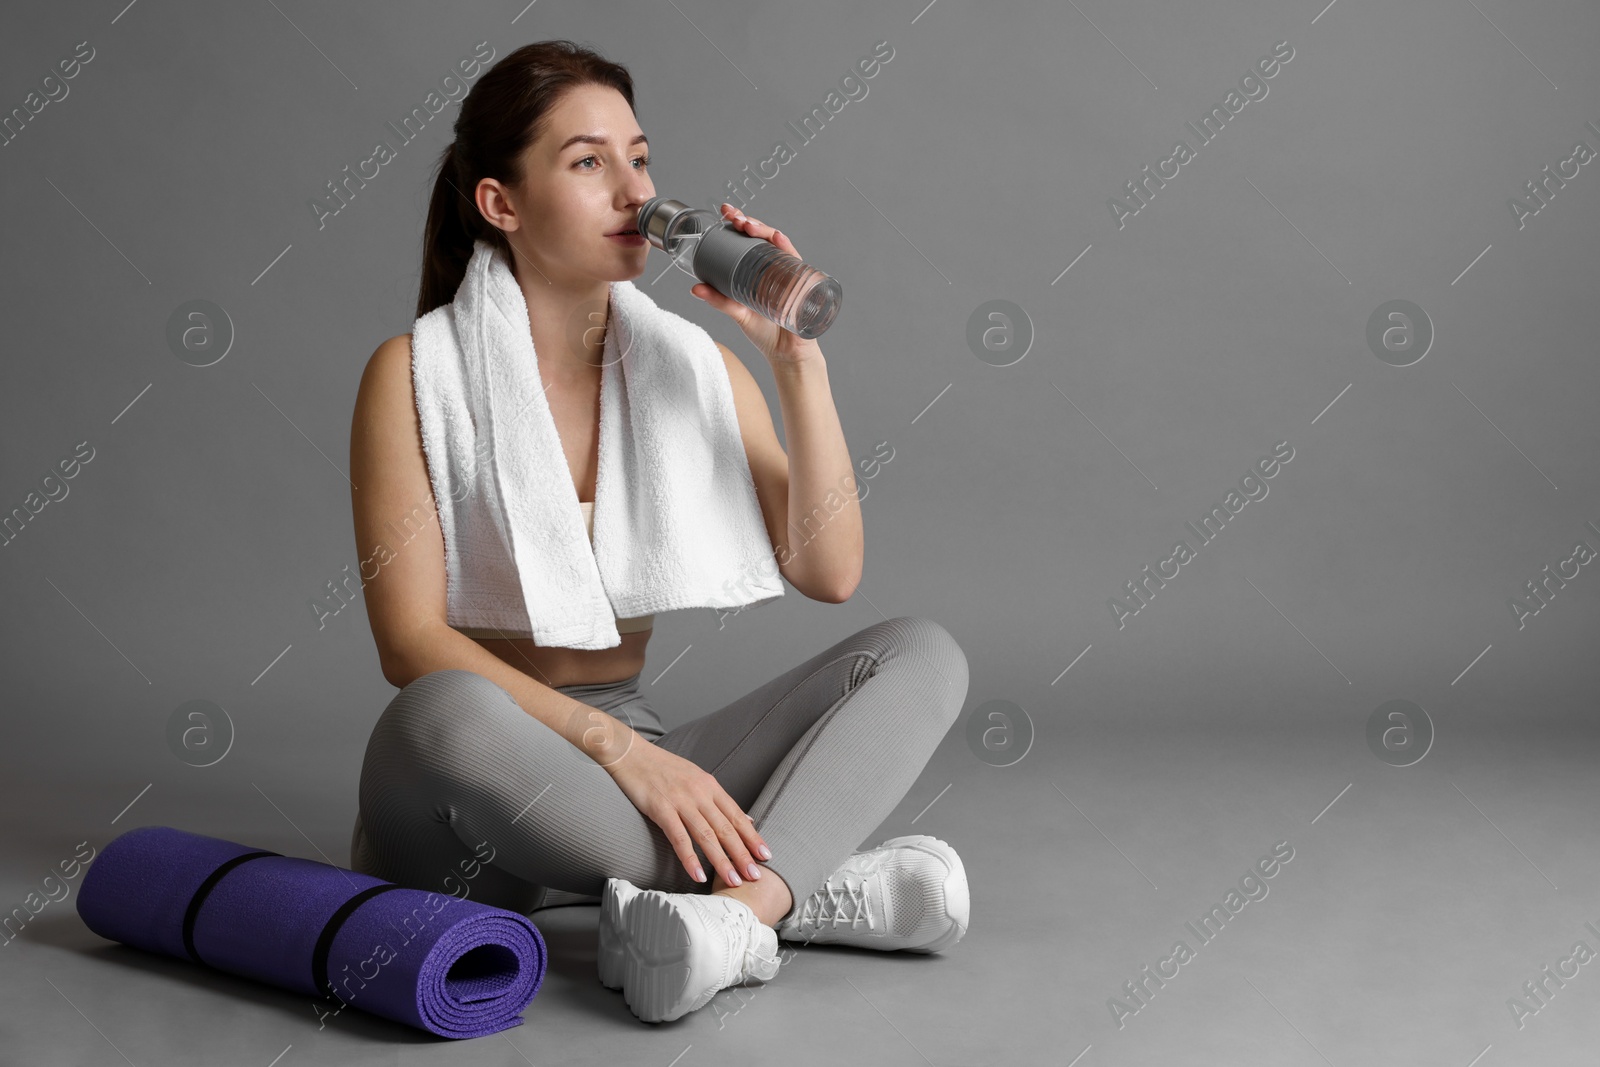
(588, 159)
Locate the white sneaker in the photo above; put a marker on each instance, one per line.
(909, 893)
(671, 953)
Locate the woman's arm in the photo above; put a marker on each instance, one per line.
(819, 550)
(824, 531)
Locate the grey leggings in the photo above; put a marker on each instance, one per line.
(464, 792)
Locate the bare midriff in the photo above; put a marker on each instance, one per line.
(571, 666)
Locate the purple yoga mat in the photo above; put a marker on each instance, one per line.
(454, 967)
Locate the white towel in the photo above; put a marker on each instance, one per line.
(676, 520)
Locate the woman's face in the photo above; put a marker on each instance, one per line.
(584, 178)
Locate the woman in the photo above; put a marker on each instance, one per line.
(507, 771)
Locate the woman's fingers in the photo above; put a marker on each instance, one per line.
(711, 840)
(749, 836)
(732, 838)
(682, 842)
(756, 228)
(733, 846)
(721, 838)
(699, 812)
(678, 835)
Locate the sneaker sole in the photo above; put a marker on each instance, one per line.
(611, 954)
(663, 947)
(957, 897)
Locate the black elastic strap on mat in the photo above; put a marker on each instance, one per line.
(199, 898)
(319, 956)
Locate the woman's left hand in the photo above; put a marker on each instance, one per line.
(776, 343)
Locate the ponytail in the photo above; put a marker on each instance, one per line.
(449, 233)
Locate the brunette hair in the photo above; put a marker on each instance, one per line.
(503, 113)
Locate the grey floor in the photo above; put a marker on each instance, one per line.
(1417, 903)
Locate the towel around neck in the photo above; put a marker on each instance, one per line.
(677, 523)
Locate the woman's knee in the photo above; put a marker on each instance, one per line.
(930, 637)
(433, 713)
(938, 656)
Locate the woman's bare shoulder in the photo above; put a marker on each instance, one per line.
(395, 350)
(385, 392)
(389, 368)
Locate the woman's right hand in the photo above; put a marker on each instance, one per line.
(692, 808)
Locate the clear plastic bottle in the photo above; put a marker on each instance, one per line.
(753, 271)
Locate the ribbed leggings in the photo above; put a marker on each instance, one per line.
(464, 792)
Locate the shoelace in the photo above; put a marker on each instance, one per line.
(844, 902)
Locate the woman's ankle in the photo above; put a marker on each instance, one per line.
(768, 896)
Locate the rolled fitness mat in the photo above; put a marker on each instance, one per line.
(454, 967)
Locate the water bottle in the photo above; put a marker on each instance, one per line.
(751, 270)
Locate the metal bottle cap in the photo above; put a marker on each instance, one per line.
(655, 215)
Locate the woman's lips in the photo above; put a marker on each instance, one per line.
(632, 240)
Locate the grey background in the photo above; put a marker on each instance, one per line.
(1228, 315)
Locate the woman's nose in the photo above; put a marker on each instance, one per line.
(638, 200)
(639, 189)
